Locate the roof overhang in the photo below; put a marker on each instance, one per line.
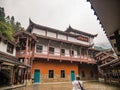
(108, 13)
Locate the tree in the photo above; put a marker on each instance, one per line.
(2, 14)
(8, 25)
(6, 30)
(17, 26)
(8, 19)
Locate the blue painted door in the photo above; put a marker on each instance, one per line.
(37, 76)
(72, 75)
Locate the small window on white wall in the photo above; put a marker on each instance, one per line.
(39, 48)
(63, 52)
(51, 50)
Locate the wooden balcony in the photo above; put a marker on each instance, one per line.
(66, 57)
(23, 53)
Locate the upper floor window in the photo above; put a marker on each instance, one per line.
(63, 51)
(10, 48)
(39, 48)
(83, 51)
(62, 73)
(51, 73)
(72, 53)
(51, 50)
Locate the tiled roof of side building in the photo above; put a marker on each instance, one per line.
(108, 56)
(25, 32)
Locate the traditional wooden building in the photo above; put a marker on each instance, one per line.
(11, 70)
(56, 56)
(111, 71)
(103, 58)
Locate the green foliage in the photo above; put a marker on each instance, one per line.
(6, 30)
(2, 14)
(8, 26)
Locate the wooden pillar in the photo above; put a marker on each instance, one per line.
(0, 66)
(71, 53)
(60, 50)
(33, 53)
(24, 75)
(118, 74)
(80, 54)
(87, 54)
(67, 37)
(46, 33)
(57, 35)
(12, 78)
(109, 75)
(17, 39)
(48, 50)
(27, 50)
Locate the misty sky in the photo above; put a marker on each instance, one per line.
(58, 14)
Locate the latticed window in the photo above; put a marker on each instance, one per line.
(72, 53)
(63, 51)
(83, 51)
(51, 73)
(10, 48)
(51, 50)
(62, 73)
(39, 48)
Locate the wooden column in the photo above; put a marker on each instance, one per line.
(48, 50)
(26, 51)
(46, 33)
(87, 54)
(67, 37)
(71, 53)
(26, 57)
(60, 50)
(13, 74)
(0, 66)
(80, 54)
(57, 35)
(118, 74)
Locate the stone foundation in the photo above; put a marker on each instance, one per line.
(44, 78)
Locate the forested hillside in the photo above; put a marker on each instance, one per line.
(8, 25)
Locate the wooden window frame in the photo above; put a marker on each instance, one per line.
(63, 52)
(50, 51)
(51, 74)
(41, 46)
(10, 48)
(62, 72)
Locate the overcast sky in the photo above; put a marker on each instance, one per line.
(58, 14)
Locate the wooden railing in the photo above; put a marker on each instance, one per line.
(22, 53)
(66, 57)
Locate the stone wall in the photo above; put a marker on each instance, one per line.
(45, 79)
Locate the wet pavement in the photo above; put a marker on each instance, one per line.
(68, 86)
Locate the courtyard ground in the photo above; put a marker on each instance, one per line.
(68, 86)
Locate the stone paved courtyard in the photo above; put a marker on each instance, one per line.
(68, 86)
